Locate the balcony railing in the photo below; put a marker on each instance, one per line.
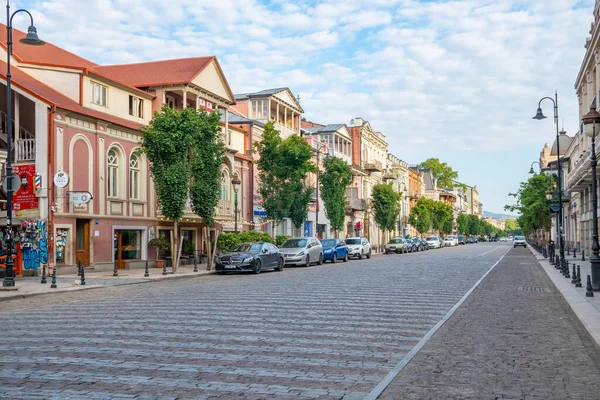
(356, 204)
(225, 208)
(373, 165)
(25, 150)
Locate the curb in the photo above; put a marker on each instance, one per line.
(583, 310)
(91, 287)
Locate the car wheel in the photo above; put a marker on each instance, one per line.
(334, 258)
(257, 267)
(369, 254)
(279, 265)
(346, 257)
(360, 256)
(220, 272)
(307, 264)
(320, 259)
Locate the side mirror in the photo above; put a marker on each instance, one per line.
(265, 250)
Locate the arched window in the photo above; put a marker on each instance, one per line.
(225, 183)
(113, 173)
(134, 177)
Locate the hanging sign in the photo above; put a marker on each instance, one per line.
(25, 198)
(80, 197)
(61, 179)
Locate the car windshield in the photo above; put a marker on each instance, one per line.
(416, 239)
(328, 242)
(451, 237)
(353, 241)
(432, 238)
(394, 241)
(247, 248)
(519, 237)
(294, 244)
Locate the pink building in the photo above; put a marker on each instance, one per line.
(81, 119)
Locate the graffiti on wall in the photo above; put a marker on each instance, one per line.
(34, 244)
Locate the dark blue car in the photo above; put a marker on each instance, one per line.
(334, 249)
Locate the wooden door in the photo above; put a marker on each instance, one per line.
(82, 239)
(119, 247)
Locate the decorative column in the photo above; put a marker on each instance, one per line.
(184, 95)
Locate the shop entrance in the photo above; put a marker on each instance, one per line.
(127, 246)
(82, 238)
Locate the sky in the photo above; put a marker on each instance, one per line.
(457, 80)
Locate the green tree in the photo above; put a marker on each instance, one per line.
(386, 206)
(473, 224)
(441, 213)
(441, 171)
(283, 166)
(448, 226)
(532, 204)
(334, 181)
(420, 216)
(462, 222)
(172, 143)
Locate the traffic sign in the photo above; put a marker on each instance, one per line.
(16, 182)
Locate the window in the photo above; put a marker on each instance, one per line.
(171, 102)
(136, 107)
(260, 109)
(134, 177)
(113, 173)
(128, 244)
(98, 93)
(224, 185)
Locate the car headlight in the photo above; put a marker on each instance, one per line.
(328, 251)
(300, 254)
(248, 260)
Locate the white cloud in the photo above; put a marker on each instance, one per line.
(439, 78)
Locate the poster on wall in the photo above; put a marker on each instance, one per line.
(25, 201)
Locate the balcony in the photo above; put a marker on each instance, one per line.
(25, 150)
(224, 209)
(23, 143)
(228, 146)
(353, 202)
(373, 165)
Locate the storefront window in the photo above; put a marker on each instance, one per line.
(129, 244)
(61, 245)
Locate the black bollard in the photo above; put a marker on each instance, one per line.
(195, 263)
(44, 274)
(557, 264)
(544, 252)
(53, 284)
(574, 277)
(164, 267)
(588, 289)
(82, 276)
(578, 283)
(115, 271)
(567, 250)
(567, 273)
(146, 273)
(575, 252)
(582, 255)
(78, 268)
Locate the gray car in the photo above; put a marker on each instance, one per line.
(302, 251)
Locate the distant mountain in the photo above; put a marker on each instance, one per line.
(489, 214)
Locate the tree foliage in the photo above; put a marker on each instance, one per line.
(185, 154)
(430, 214)
(441, 171)
(531, 203)
(282, 166)
(334, 181)
(462, 222)
(420, 216)
(386, 206)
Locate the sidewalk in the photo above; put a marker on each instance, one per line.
(587, 309)
(32, 286)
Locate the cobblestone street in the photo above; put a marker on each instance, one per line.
(331, 332)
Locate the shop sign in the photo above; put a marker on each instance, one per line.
(80, 197)
(25, 197)
(61, 179)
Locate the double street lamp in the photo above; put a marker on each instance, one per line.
(539, 116)
(591, 125)
(30, 39)
(236, 183)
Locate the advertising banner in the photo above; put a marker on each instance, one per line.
(25, 201)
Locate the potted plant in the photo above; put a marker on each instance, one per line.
(162, 246)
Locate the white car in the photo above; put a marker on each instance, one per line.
(502, 239)
(519, 241)
(302, 251)
(358, 247)
(451, 240)
(434, 242)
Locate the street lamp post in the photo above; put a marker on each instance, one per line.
(539, 116)
(531, 171)
(30, 39)
(591, 125)
(367, 223)
(319, 146)
(235, 182)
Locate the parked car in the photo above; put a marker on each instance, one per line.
(461, 239)
(519, 241)
(451, 240)
(425, 244)
(359, 247)
(472, 239)
(503, 239)
(302, 251)
(418, 244)
(255, 257)
(396, 245)
(433, 242)
(334, 249)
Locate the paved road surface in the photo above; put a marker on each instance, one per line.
(330, 332)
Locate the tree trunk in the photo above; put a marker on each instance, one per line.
(214, 249)
(175, 247)
(208, 250)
